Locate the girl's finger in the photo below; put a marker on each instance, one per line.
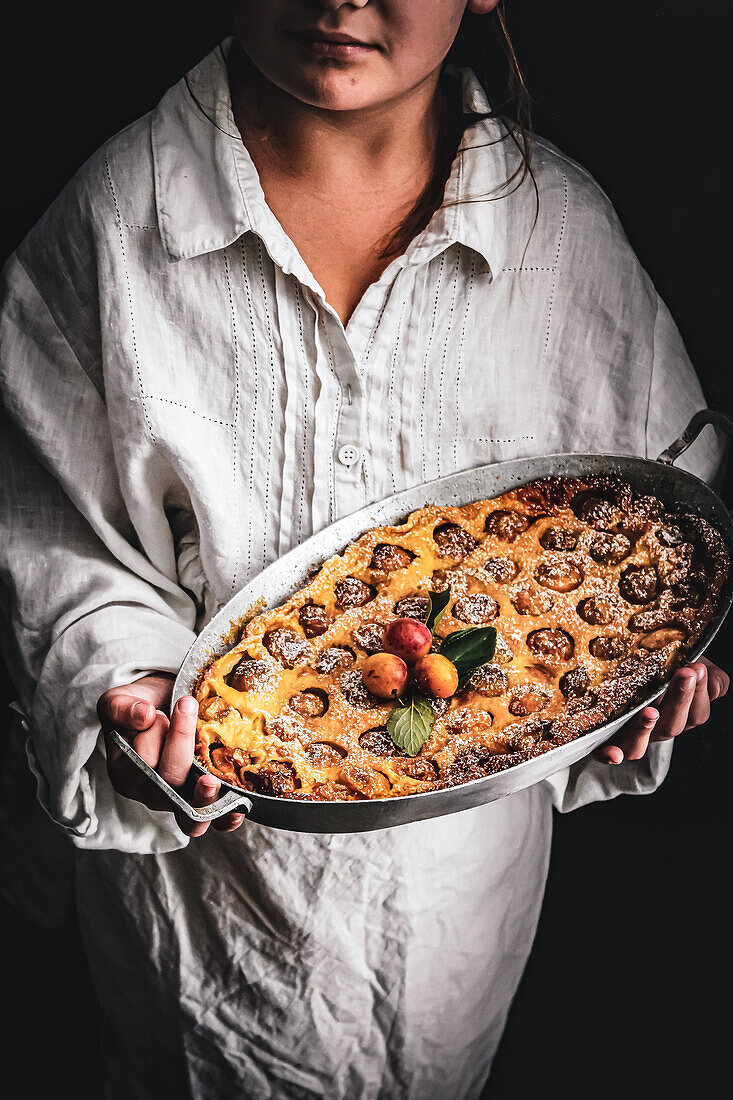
(675, 708)
(700, 706)
(609, 754)
(152, 796)
(126, 777)
(205, 792)
(631, 741)
(633, 738)
(718, 682)
(228, 823)
(127, 712)
(149, 743)
(177, 753)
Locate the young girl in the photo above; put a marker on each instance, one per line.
(317, 273)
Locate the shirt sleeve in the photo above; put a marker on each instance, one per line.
(675, 395)
(84, 609)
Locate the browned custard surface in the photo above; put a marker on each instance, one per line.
(595, 593)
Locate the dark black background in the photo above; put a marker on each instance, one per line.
(627, 988)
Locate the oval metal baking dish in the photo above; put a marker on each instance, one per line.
(281, 579)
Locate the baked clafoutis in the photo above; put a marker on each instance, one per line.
(559, 604)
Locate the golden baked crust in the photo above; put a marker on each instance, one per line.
(595, 593)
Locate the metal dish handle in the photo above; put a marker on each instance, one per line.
(692, 431)
(232, 800)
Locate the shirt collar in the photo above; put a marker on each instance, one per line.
(208, 193)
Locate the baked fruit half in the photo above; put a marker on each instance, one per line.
(589, 593)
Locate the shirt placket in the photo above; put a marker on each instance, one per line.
(343, 444)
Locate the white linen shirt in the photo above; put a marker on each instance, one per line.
(182, 406)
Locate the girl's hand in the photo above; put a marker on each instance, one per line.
(683, 705)
(136, 711)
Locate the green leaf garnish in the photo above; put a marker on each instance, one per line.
(438, 603)
(469, 649)
(410, 723)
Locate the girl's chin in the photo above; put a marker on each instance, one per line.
(349, 100)
(336, 87)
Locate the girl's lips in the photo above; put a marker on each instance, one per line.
(332, 45)
(338, 49)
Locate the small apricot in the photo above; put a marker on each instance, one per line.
(407, 638)
(385, 675)
(436, 675)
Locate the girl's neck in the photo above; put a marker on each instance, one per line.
(393, 143)
(350, 189)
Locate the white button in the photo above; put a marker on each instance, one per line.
(348, 455)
